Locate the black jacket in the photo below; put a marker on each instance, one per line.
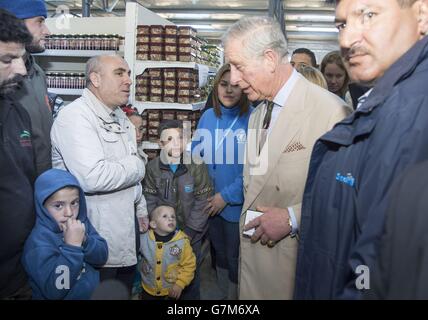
(33, 96)
(17, 174)
(351, 171)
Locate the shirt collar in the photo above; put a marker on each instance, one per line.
(283, 94)
(363, 98)
(101, 109)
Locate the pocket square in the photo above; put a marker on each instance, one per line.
(293, 147)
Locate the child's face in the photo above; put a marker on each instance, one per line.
(164, 222)
(63, 205)
(137, 121)
(171, 142)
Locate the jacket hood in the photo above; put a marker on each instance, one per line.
(47, 184)
(29, 64)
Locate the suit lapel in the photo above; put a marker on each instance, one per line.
(285, 129)
(253, 137)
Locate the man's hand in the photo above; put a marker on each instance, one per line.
(215, 205)
(175, 292)
(74, 232)
(271, 225)
(143, 223)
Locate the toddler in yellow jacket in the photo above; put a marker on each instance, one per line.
(168, 262)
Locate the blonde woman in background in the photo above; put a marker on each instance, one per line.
(313, 75)
(336, 75)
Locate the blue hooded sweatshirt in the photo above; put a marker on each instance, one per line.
(224, 169)
(57, 270)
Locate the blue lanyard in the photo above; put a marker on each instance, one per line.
(218, 144)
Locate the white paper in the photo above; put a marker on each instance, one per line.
(203, 75)
(251, 215)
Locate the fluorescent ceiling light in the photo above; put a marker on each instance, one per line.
(198, 26)
(312, 29)
(201, 16)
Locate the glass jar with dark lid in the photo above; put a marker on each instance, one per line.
(57, 42)
(97, 41)
(71, 81)
(48, 78)
(81, 42)
(114, 42)
(64, 42)
(72, 42)
(89, 42)
(105, 42)
(82, 81)
(63, 78)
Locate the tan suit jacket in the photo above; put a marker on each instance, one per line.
(278, 180)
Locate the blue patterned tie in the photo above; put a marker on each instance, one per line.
(268, 115)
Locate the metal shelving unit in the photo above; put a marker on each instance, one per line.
(164, 105)
(66, 92)
(137, 15)
(76, 53)
(150, 145)
(141, 65)
(74, 61)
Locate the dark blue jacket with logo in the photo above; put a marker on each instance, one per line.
(58, 270)
(350, 175)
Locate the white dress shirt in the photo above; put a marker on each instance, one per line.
(280, 101)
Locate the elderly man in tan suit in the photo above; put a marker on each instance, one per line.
(281, 134)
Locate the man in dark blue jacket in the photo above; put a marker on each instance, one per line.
(401, 270)
(17, 165)
(352, 166)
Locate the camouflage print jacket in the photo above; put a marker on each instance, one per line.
(186, 190)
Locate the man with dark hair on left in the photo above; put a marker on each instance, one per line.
(32, 94)
(17, 164)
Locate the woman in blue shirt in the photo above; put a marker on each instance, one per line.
(220, 141)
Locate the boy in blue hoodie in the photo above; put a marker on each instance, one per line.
(63, 248)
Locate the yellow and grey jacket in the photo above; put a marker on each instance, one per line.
(166, 263)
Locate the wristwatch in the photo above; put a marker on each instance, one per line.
(292, 232)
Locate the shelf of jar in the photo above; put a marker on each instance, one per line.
(140, 105)
(150, 145)
(66, 92)
(77, 53)
(141, 65)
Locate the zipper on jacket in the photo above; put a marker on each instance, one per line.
(166, 190)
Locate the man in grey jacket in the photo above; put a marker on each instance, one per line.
(32, 94)
(94, 140)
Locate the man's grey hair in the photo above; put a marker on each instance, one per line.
(94, 64)
(258, 34)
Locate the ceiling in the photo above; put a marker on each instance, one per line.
(308, 22)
